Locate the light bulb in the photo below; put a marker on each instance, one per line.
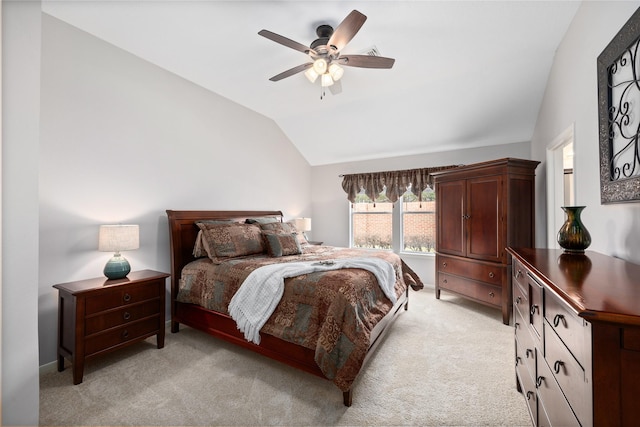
(326, 80)
(320, 65)
(311, 75)
(336, 72)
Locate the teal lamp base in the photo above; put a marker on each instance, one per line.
(117, 267)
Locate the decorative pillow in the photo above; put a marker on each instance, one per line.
(262, 220)
(198, 249)
(285, 228)
(280, 244)
(230, 240)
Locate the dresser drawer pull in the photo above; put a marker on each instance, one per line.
(126, 315)
(516, 325)
(539, 381)
(518, 360)
(519, 274)
(444, 281)
(518, 300)
(533, 310)
(491, 294)
(529, 352)
(444, 264)
(529, 395)
(125, 334)
(126, 297)
(557, 366)
(491, 274)
(557, 319)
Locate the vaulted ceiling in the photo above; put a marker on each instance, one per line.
(467, 73)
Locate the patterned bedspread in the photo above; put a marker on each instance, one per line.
(331, 312)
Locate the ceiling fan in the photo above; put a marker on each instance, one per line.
(325, 52)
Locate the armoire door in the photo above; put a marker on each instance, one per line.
(450, 200)
(484, 219)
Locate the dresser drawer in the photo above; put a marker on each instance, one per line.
(519, 274)
(471, 288)
(552, 403)
(536, 305)
(473, 270)
(121, 335)
(128, 314)
(521, 301)
(569, 327)
(528, 391)
(525, 348)
(568, 373)
(116, 297)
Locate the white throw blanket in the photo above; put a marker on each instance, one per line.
(261, 291)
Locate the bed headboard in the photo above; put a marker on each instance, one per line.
(183, 232)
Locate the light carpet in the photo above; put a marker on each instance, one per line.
(447, 362)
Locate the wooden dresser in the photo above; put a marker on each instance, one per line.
(577, 337)
(96, 316)
(480, 210)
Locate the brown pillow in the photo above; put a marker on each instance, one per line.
(285, 228)
(223, 241)
(280, 244)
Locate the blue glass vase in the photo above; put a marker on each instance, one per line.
(573, 236)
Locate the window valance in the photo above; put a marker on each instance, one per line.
(395, 182)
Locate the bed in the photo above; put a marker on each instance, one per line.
(333, 340)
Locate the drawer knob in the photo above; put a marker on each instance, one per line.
(491, 274)
(445, 281)
(126, 297)
(529, 353)
(557, 366)
(126, 315)
(557, 319)
(125, 334)
(491, 294)
(533, 310)
(518, 300)
(444, 264)
(539, 381)
(519, 274)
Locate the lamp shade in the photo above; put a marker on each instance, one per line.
(303, 224)
(116, 238)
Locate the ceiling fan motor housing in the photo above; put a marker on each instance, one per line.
(324, 33)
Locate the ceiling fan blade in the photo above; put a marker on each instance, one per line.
(347, 29)
(366, 61)
(291, 72)
(285, 41)
(336, 88)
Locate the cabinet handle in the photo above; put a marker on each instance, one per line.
(444, 281)
(125, 334)
(529, 395)
(519, 274)
(557, 319)
(557, 366)
(518, 300)
(491, 294)
(491, 274)
(127, 315)
(516, 325)
(533, 310)
(126, 297)
(529, 352)
(444, 264)
(518, 360)
(539, 381)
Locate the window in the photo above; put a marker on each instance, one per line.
(372, 223)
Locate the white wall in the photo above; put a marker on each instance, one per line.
(571, 97)
(122, 141)
(20, 111)
(331, 207)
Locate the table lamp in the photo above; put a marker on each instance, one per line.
(303, 225)
(116, 238)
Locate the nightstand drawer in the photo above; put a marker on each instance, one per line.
(112, 338)
(131, 313)
(483, 272)
(112, 298)
(474, 289)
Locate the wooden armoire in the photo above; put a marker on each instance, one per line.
(481, 209)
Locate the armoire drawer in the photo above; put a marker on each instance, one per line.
(471, 288)
(473, 270)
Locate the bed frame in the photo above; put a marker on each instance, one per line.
(183, 232)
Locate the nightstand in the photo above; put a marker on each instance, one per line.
(96, 316)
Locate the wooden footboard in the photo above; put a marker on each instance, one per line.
(183, 235)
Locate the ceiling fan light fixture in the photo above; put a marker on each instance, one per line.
(320, 65)
(326, 80)
(336, 72)
(311, 75)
